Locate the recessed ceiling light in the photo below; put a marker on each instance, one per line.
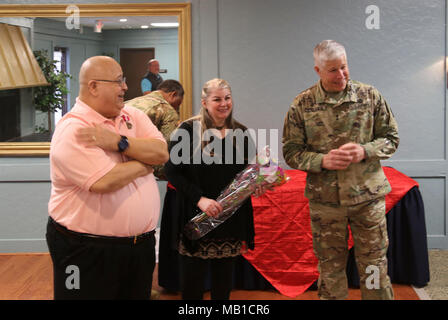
(165, 24)
(123, 20)
(144, 27)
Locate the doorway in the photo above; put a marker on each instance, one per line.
(10, 120)
(134, 64)
(60, 56)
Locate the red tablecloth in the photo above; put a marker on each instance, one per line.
(283, 242)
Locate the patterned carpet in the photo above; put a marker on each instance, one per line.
(437, 289)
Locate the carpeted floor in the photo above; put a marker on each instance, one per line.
(437, 289)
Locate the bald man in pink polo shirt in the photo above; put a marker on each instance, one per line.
(104, 203)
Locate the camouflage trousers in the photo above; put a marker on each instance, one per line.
(368, 225)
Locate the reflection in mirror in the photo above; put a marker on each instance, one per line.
(132, 39)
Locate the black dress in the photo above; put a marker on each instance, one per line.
(195, 179)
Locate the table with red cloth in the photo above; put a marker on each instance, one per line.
(283, 257)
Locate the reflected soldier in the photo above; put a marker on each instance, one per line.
(162, 107)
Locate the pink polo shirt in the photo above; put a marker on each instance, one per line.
(129, 211)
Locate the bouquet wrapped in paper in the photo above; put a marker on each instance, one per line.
(265, 173)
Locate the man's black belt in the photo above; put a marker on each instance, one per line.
(104, 239)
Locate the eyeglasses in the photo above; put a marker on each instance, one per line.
(121, 81)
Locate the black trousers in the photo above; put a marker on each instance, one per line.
(87, 269)
(194, 271)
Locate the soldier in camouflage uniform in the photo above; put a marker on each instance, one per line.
(338, 131)
(162, 107)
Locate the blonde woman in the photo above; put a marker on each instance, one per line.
(199, 173)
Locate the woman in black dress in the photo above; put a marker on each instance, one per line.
(200, 171)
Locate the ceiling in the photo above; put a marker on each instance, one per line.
(113, 23)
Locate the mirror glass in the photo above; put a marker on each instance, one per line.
(66, 40)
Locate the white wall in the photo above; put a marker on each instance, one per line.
(165, 42)
(264, 49)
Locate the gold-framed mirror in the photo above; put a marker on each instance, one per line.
(180, 10)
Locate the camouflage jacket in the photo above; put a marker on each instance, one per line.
(162, 115)
(317, 123)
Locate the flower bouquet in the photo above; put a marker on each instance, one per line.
(265, 173)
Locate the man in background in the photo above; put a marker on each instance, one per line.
(152, 78)
(162, 107)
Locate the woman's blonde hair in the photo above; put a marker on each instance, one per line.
(204, 117)
(206, 120)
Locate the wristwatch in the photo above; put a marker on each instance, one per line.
(123, 144)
